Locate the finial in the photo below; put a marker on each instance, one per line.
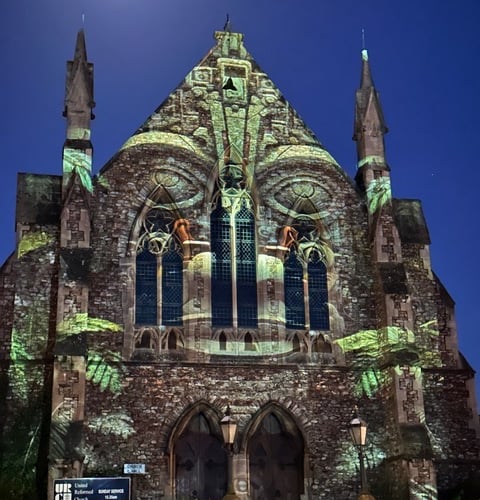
(83, 19)
(228, 26)
(364, 50)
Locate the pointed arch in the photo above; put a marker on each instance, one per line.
(305, 273)
(295, 343)
(319, 344)
(222, 342)
(234, 261)
(197, 456)
(172, 341)
(156, 243)
(248, 342)
(276, 449)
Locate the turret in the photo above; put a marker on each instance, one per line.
(75, 255)
(79, 103)
(79, 93)
(369, 126)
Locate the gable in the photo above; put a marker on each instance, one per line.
(228, 110)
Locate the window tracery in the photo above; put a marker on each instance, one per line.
(305, 276)
(233, 245)
(159, 269)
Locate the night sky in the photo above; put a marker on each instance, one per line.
(424, 56)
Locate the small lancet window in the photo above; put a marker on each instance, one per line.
(296, 344)
(222, 341)
(172, 341)
(249, 346)
(146, 341)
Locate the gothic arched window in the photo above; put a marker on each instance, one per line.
(234, 268)
(159, 275)
(246, 264)
(306, 292)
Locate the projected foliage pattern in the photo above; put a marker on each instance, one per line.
(24, 438)
(228, 150)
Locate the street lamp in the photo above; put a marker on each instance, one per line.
(229, 429)
(358, 433)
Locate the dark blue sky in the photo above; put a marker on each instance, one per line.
(425, 61)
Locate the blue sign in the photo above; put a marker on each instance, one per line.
(92, 488)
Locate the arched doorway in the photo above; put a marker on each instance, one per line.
(276, 454)
(200, 462)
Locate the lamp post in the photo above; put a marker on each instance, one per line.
(229, 429)
(358, 433)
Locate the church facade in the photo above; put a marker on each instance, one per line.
(223, 259)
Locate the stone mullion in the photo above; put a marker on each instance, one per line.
(233, 260)
(306, 296)
(197, 310)
(271, 311)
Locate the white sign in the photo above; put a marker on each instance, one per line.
(134, 468)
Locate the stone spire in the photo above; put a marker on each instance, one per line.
(79, 103)
(369, 126)
(79, 92)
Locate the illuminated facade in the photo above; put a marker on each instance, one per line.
(222, 257)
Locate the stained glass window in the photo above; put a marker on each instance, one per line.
(148, 309)
(172, 288)
(318, 293)
(246, 267)
(221, 268)
(294, 292)
(146, 289)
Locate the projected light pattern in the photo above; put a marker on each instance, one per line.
(378, 194)
(22, 384)
(79, 163)
(236, 262)
(33, 241)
